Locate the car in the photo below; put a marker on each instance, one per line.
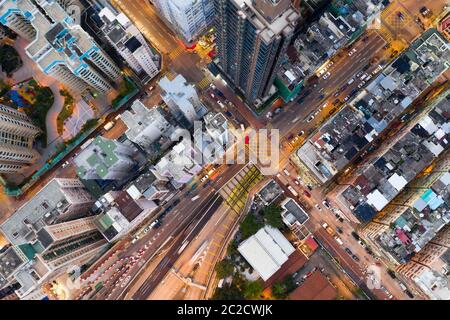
(355, 257)
(212, 95)
(330, 64)
(339, 230)
(336, 94)
(65, 164)
(311, 118)
(324, 106)
(338, 240)
(269, 115)
(341, 220)
(391, 274)
(362, 244)
(306, 193)
(351, 81)
(361, 85)
(286, 172)
(229, 114)
(296, 182)
(204, 178)
(368, 250)
(425, 12)
(352, 52)
(147, 229)
(359, 74)
(409, 294)
(348, 251)
(301, 133)
(326, 75)
(355, 235)
(151, 88)
(400, 15)
(318, 207)
(309, 187)
(321, 72)
(347, 98)
(277, 111)
(326, 204)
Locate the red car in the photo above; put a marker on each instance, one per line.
(307, 194)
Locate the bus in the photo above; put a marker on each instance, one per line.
(292, 191)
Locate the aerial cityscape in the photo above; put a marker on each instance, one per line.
(224, 150)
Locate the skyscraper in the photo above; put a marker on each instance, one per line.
(60, 48)
(252, 38)
(49, 251)
(181, 98)
(126, 38)
(187, 17)
(16, 140)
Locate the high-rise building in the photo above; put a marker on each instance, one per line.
(60, 48)
(181, 98)
(16, 140)
(129, 42)
(145, 125)
(58, 201)
(47, 253)
(105, 159)
(252, 38)
(188, 18)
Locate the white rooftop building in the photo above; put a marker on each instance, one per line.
(187, 17)
(129, 42)
(217, 127)
(266, 251)
(145, 125)
(178, 166)
(181, 98)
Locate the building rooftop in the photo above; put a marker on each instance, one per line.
(388, 174)
(342, 137)
(266, 251)
(293, 213)
(42, 209)
(341, 23)
(145, 125)
(420, 223)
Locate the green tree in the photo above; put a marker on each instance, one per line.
(289, 284)
(228, 292)
(249, 226)
(279, 291)
(232, 248)
(272, 215)
(224, 268)
(252, 290)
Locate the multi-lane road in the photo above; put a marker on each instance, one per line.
(182, 218)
